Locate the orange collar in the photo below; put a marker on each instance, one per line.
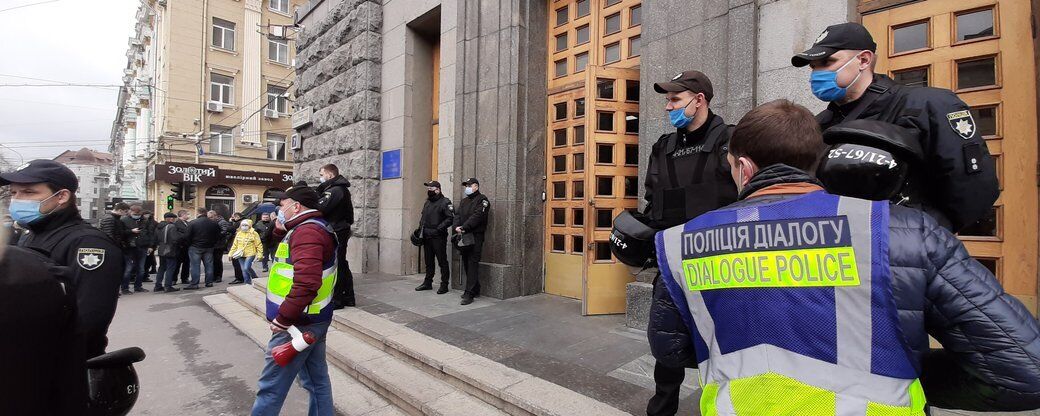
(787, 189)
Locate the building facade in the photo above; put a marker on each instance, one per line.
(550, 104)
(207, 102)
(94, 172)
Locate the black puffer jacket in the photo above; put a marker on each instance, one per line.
(991, 355)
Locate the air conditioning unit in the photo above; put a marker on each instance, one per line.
(270, 113)
(295, 142)
(250, 198)
(215, 106)
(277, 31)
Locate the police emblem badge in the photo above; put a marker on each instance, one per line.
(962, 123)
(90, 258)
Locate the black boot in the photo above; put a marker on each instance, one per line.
(443, 289)
(424, 286)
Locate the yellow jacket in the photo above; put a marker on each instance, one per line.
(248, 242)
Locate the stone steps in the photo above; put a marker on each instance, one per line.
(392, 359)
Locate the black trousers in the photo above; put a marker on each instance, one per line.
(343, 292)
(149, 264)
(471, 264)
(436, 248)
(666, 398)
(238, 269)
(183, 264)
(218, 263)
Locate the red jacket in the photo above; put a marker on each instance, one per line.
(310, 248)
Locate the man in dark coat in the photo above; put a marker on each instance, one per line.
(263, 228)
(138, 242)
(437, 216)
(169, 239)
(469, 226)
(203, 236)
(338, 209)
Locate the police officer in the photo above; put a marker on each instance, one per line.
(437, 215)
(43, 199)
(469, 227)
(957, 181)
(687, 176)
(338, 209)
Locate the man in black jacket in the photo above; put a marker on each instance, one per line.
(169, 239)
(470, 225)
(263, 228)
(203, 236)
(150, 227)
(112, 224)
(55, 227)
(338, 209)
(137, 244)
(437, 215)
(731, 317)
(227, 233)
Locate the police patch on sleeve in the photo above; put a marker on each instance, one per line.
(451, 207)
(90, 258)
(486, 204)
(962, 123)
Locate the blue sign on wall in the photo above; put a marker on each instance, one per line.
(392, 164)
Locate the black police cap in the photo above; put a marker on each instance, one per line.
(42, 171)
(434, 184)
(844, 36)
(470, 181)
(693, 81)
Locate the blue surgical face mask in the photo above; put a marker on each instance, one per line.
(825, 83)
(25, 212)
(679, 118)
(468, 190)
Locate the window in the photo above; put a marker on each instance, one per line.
(578, 189)
(221, 89)
(581, 35)
(557, 243)
(560, 68)
(561, 16)
(278, 51)
(632, 123)
(559, 216)
(559, 190)
(977, 73)
(560, 109)
(631, 154)
(989, 264)
(281, 6)
(275, 146)
(581, 61)
(985, 120)
(604, 218)
(559, 163)
(631, 186)
(579, 162)
(577, 244)
(582, 7)
(612, 24)
(605, 153)
(223, 34)
(578, 217)
(917, 77)
(602, 251)
(559, 137)
(605, 89)
(561, 42)
(612, 53)
(975, 25)
(985, 227)
(579, 135)
(632, 91)
(635, 16)
(276, 99)
(635, 48)
(608, 3)
(910, 37)
(579, 108)
(605, 185)
(221, 140)
(605, 121)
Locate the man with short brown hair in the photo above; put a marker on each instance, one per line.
(338, 209)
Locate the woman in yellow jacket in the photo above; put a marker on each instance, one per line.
(244, 249)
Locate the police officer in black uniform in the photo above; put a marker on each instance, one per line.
(687, 176)
(337, 207)
(469, 227)
(43, 199)
(956, 182)
(437, 215)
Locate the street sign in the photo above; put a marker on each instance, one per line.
(391, 164)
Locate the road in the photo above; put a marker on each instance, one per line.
(197, 363)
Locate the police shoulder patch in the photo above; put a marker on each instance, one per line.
(451, 207)
(485, 203)
(90, 258)
(962, 123)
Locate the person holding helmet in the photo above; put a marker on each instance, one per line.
(957, 180)
(799, 301)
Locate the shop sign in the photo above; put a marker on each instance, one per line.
(213, 175)
(302, 117)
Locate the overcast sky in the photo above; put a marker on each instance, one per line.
(77, 41)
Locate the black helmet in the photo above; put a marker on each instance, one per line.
(632, 241)
(868, 159)
(415, 237)
(113, 382)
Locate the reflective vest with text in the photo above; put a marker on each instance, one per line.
(790, 308)
(280, 280)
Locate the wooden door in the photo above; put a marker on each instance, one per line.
(983, 51)
(593, 50)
